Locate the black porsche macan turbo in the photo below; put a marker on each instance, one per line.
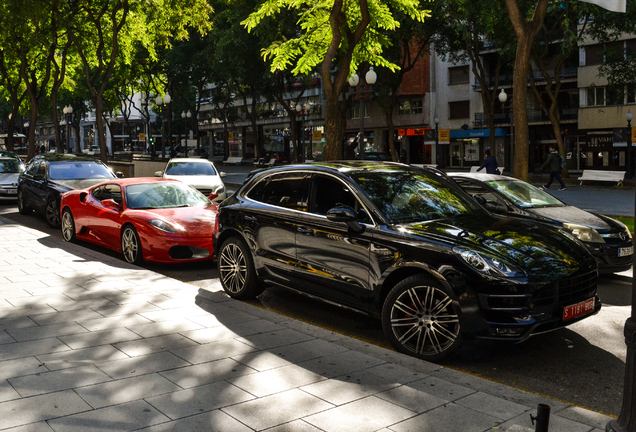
(406, 245)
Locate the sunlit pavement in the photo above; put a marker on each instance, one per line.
(90, 343)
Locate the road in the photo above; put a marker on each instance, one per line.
(583, 364)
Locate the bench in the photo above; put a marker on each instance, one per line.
(601, 175)
(236, 160)
(475, 167)
(271, 163)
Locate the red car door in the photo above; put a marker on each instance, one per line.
(105, 221)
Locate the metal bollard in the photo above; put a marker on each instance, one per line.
(542, 418)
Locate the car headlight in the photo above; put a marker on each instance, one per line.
(161, 225)
(583, 233)
(488, 264)
(219, 190)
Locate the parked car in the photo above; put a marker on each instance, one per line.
(198, 173)
(10, 170)
(406, 245)
(148, 219)
(198, 152)
(47, 177)
(13, 155)
(609, 240)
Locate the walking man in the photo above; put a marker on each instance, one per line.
(553, 165)
(490, 163)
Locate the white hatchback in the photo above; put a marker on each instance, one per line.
(198, 173)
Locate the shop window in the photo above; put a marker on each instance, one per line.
(459, 110)
(458, 75)
(413, 106)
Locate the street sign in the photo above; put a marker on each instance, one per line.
(444, 136)
(142, 137)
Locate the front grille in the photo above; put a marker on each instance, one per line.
(205, 191)
(619, 261)
(567, 291)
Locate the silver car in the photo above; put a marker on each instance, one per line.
(198, 173)
(10, 169)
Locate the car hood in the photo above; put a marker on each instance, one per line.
(8, 178)
(197, 221)
(199, 181)
(541, 251)
(573, 215)
(76, 184)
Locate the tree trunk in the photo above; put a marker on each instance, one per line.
(334, 130)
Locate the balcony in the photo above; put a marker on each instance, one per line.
(568, 115)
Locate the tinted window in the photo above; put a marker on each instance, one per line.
(32, 168)
(408, 196)
(328, 192)
(9, 166)
(109, 191)
(79, 170)
(283, 190)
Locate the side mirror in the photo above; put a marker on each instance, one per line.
(158, 173)
(222, 174)
(111, 203)
(347, 215)
(119, 174)
(213, 196)
(496, 207)
(480, 199)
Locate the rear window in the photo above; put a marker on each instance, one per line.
(79, 170)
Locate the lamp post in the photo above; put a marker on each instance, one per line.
(370, 78)
(159, 101)
(629, 116)
(185, 115)
(503, 97)
(626, 421)
(300, 109)
(146, 115)
(439, 160)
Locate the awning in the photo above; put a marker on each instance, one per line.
(476, 133)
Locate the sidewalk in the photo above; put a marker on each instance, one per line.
(91, 343)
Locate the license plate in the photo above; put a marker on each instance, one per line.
(625, 251)
(12, 191)
(578, 309)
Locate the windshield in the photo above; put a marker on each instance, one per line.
(190, 168)
(10, 166)
(163, 195)
(524, 194)
(411, 196)
(79, 170)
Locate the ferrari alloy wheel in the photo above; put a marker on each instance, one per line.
(23, 209)
(421, 319)
(131, 246)
(236, 270)
(68, 226)
(52, 213)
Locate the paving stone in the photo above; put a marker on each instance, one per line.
(113, 322)
(345, 389)
(81, 357)
(170, 314)
(210, 421)
(182, 326)
(31, 348)
(411, 399)
(449, 417)
(126, 309)
(33, 427)
(276, 380)
(199, 399)
(39, 408)
(126, 390)
(96, 338)
(341, 363)
(154, 344)
(441, 388)
(290, 405)
(121, 297)
(141, 365)
(205, 373)
(584, 416)
(48, 382)
(62, 317)
(214, 351)
(491, 405)
(557, 423)
(43, 332)
(125, 417)
(7, 392)
(20, 367)
(297, 426)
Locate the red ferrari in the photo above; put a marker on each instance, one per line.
(152, 219)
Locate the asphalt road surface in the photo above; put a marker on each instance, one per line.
(583, 364)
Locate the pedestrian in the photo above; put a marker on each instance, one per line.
(552, 164)
(490, 163)
(42, 149)
(403, 156)
(350, 147)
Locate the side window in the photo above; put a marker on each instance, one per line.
(283, 190)
(42, 169)
(112, 191)
(328, 192)
(97, 193)
(476, 189)
(32, 169)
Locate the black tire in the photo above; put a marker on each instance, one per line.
(131, 246)
(23, 209)
(236, 270)
(52, 213)
(68, 226)
(422, 319)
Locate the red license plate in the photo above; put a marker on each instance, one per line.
(578, 309)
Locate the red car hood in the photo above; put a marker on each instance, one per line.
(187, 221)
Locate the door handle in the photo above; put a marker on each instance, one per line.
(305, 230)
(250, 218)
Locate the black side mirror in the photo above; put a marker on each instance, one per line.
(347, 215)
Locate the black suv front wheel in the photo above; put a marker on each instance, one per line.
(236, 270)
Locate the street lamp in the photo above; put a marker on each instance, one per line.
(370, 77)
(302, 114)
(439, 160)
(159, 101)
(185, 115)
(68, 118)
(503, 97)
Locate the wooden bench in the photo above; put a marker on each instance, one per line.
(475, 167)
(602, 175)
(236, 160)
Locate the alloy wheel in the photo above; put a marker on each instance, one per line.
(68, 226)
(130, 245)
(233, 268)
(52, 213)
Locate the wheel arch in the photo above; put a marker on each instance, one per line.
(226, 234)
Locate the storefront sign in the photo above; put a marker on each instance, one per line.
(444, 136)
(413, 132)
(316, 135)
(621, 136)
(230, 136)
(142, 137)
